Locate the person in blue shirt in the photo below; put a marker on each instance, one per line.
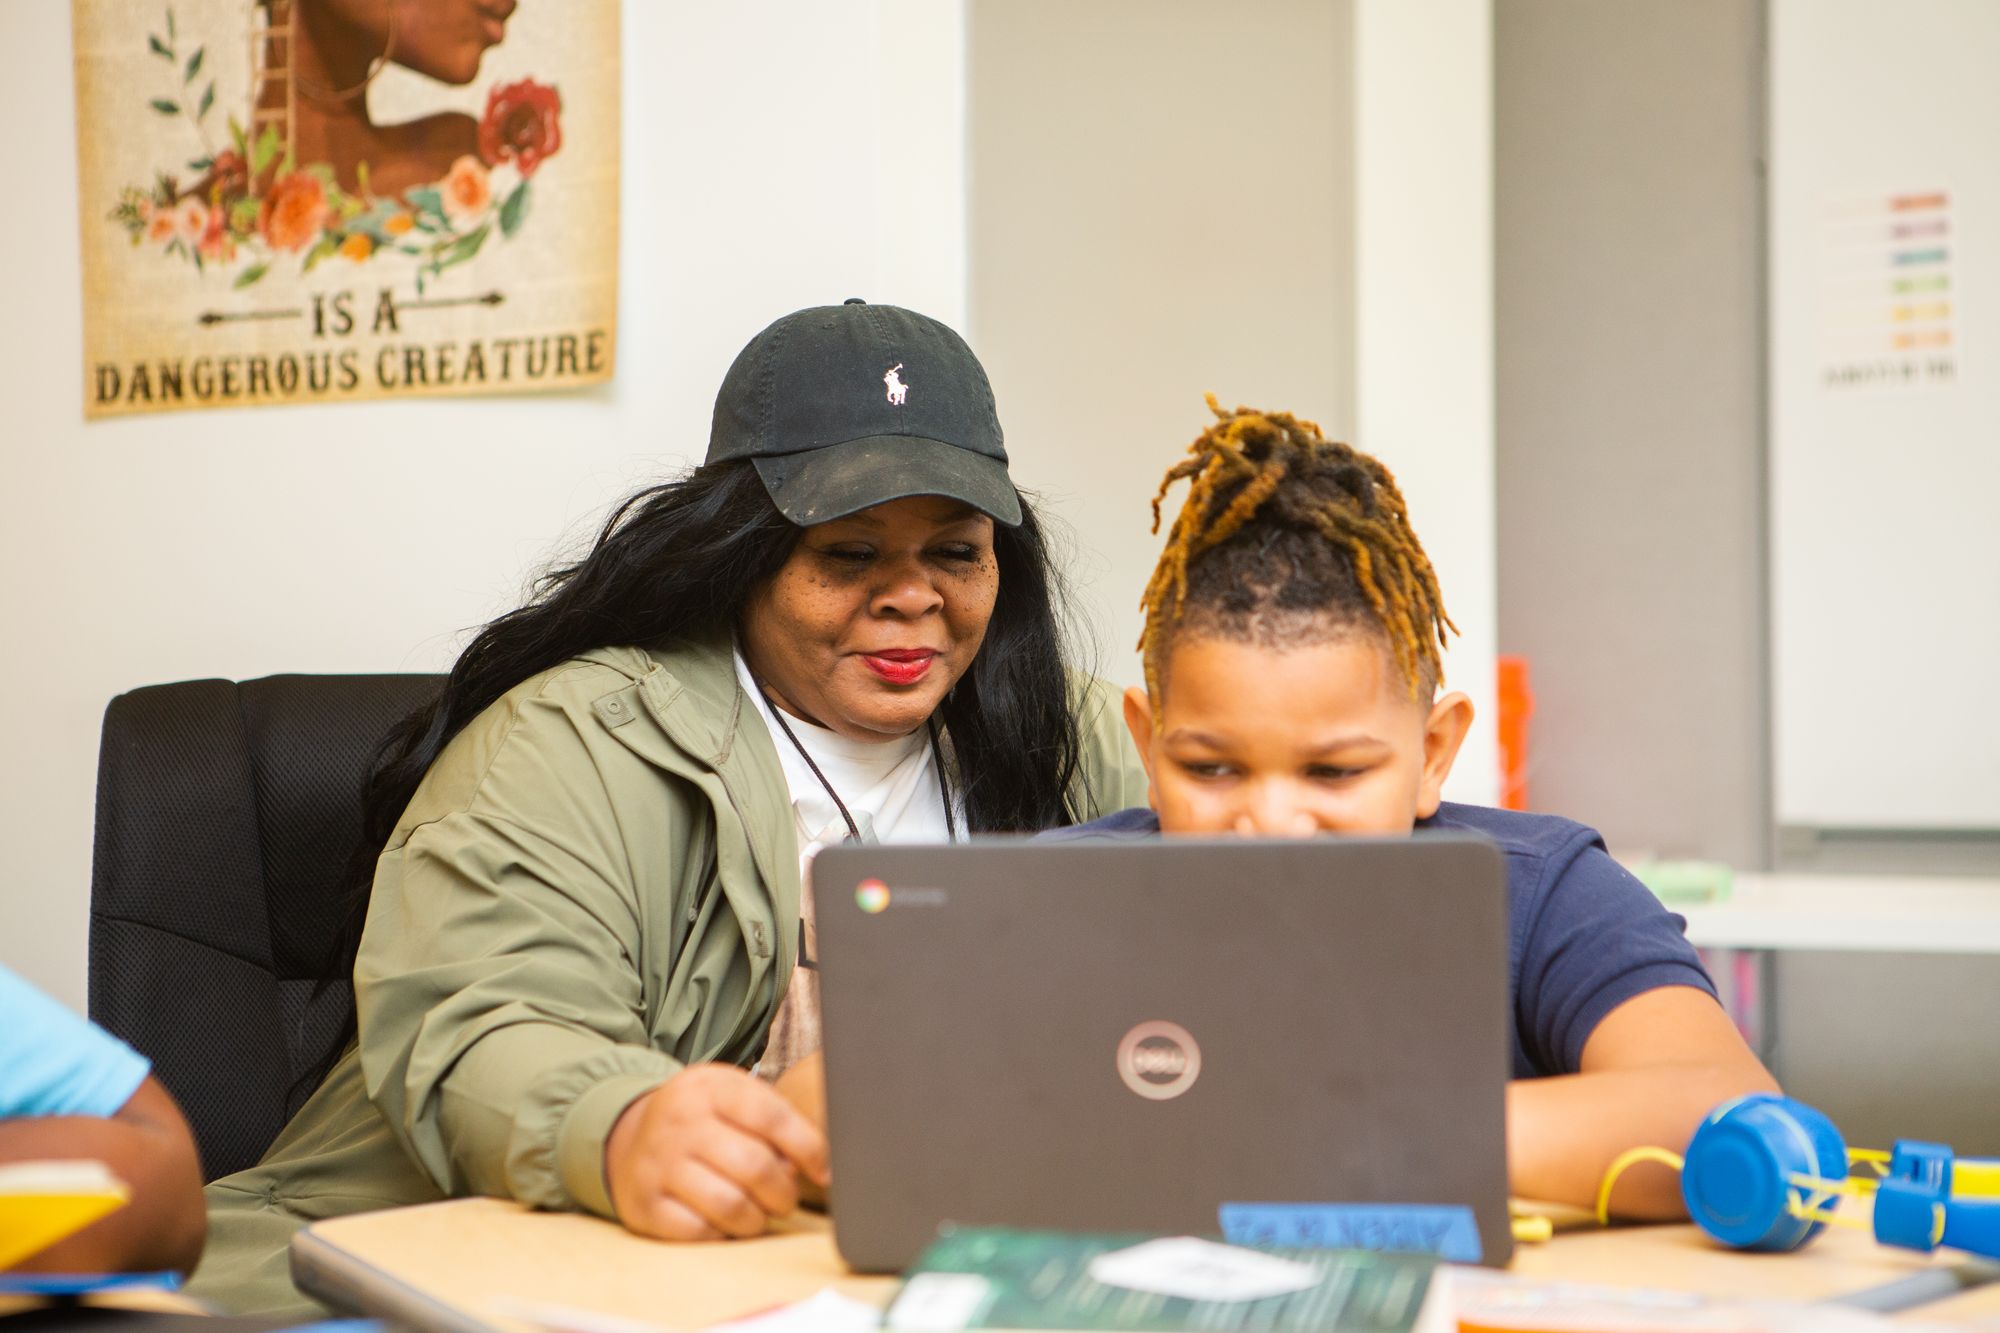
(1292, 650)
(70, 1090)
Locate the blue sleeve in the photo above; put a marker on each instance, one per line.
(1135, 825)
(1599, 938)
(54, 1063)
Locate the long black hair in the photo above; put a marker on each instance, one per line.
(679, 561)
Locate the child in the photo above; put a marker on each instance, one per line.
(71, 1090)
(1293, 629)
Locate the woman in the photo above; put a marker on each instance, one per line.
(331, 51)
(586, 916)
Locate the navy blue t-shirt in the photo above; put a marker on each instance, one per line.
(1583, 935)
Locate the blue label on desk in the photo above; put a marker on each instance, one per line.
(1446, 1230)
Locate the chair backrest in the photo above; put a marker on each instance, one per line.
(226, 814)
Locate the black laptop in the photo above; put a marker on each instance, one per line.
(1301, 1042)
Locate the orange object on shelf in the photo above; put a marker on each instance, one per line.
(1517, 705)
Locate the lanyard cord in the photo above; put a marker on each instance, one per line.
(853, 829)
(944, 782)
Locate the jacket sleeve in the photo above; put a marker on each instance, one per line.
(1110, 778)
(502, 1014)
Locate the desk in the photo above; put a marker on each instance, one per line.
(455, 1266)
(445, 1266)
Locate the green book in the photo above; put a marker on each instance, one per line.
(997, 1278)
(1684, 882)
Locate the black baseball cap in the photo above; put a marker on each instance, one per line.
(846, 406)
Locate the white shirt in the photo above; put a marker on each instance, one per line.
(891, 790)
(891, 787)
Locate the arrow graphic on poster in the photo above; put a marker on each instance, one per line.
(211, 317)
(439, 303)
(235, 316)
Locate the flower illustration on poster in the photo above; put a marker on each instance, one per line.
(304, 211)
(276, 174)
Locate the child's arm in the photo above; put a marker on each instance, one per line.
(147, 1145)
(1650, 1071)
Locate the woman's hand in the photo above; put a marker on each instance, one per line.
(712, 1152)
(804, 1086)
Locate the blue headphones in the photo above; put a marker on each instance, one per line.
(1765, 1172)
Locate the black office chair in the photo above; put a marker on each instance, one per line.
(226, 814)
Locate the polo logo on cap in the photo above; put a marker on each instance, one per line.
(898, 390)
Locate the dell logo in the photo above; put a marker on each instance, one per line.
(1159, 1060)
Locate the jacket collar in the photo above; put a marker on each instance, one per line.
(706, 725)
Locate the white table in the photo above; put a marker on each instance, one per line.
(1862, 913)
(1875, 913)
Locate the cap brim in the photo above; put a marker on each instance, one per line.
(821, 485)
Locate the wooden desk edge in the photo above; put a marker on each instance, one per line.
(329, 1275)
(330, 1271)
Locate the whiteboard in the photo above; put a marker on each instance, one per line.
(1884, 224)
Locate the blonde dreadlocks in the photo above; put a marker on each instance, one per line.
(1285, 534)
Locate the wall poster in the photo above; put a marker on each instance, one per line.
(291, 201)
(1886, 316)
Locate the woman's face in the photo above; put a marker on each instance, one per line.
(874, 617)
(443, 39)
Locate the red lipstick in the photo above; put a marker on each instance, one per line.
(900, 666)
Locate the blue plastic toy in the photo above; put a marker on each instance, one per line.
(1743, 1168)
(1764, 1172)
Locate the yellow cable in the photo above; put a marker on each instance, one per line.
(1821, 1185)
(1809, 1193)
(1874, 1159)
(1533, 1228)
(1975, 1178)
(1618, 1167)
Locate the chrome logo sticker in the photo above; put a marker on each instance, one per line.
(871, 896)
(1159, 1060)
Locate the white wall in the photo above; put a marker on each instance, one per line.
(1135, 245)
(1285, 202)
(786, 153)
(1867, 104)
(1423, 311)
(1631, 343)
(778, 154)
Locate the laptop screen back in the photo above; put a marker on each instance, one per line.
(1129, 1036)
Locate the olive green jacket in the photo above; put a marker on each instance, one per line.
(596, 883)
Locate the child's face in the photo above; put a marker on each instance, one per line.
(1318, 738)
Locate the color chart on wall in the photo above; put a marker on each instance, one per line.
(1887, 296)
(1884, 270)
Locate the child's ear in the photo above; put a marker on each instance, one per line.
(1139, 721)
(1444, 732)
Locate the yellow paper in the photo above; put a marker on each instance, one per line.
(30, 1223)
